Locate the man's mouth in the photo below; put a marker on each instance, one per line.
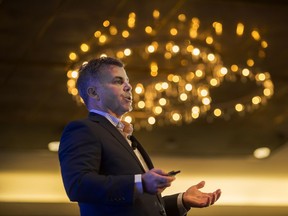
(129, 98)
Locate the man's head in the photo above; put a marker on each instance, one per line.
(103, 84)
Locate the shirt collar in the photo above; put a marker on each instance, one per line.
(115, 121)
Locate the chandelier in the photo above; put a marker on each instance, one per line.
(183, 74)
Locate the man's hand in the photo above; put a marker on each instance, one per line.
(155, 181)
(193, 197)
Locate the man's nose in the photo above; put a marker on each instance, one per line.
(127, 87)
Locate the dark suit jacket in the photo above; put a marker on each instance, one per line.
(98, 167)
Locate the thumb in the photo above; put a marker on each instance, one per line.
(200, 185)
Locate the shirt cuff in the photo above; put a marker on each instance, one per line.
(182, 210)
(138, 184)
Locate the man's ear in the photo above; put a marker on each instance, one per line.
(91, 91)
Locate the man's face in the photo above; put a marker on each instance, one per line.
(114, 91)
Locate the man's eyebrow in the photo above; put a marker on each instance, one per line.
(119, 77)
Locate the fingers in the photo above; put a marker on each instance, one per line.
(164, 182)
(213, 197)
(155, 181)
(200, 185)
(217, 194)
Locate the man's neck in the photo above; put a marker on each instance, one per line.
(113, 119)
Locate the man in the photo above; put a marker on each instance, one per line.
(102, 169)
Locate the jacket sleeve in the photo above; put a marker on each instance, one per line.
(80, 162)
(171, 206)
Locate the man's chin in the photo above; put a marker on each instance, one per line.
(129, 109)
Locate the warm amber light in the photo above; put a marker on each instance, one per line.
(209, 40)
(206, 101)
(131, 20)
(141, 104)
(156, 14)
(120, 54)
(211, 57)
(188, 87)
(74, 91)
(175, 49)
(260, 77)
(195, 115)
(125, 34)
(71, 83)
(53, 146)
(234, 68)
(173, 31)
(217, 112)
(176, 79)
(72, 56)
(240, 29)
(97, 34)
(139, 89)
(176, 116)
(103, 55)
(250, 62)
(151, 120)
(193, 33)
(162, 101)
(69, 74)
(267, 92)
(264, 44)
(223, 71)
(154, 66)
(261, 153)
(157, 110)
(198, 69)
(239, 107)
(84, 47)
(128, 119)
(164, 85)
(256, 100)
(74, 74)
(218, 28)
(183, 97)
(255, 34)
(204, 92)
(189, 48)
(106, 23)
(213, 82)
(167, 55)
(158, 86)
(151, 49)
(245, 72)
(148, 29)
(182, 17)
(127, 52)
(199, 73)
(154, 73)
(102, 39)
(196, 51)
(113, 30)
(195, 109)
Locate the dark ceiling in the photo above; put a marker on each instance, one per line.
(37, 36)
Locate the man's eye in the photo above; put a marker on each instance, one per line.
(118, 82)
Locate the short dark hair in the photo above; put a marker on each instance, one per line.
(90, 71)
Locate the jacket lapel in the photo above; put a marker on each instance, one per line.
(105, 123)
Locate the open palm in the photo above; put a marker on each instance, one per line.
(193, 197)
